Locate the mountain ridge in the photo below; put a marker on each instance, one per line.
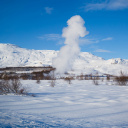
(14, 56)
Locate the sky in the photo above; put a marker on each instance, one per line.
(38, 24)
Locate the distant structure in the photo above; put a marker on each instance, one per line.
(24, 69)
(25, 73)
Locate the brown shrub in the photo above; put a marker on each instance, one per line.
(95, 81)
(68, 79)
(122, 79)
(12, 86)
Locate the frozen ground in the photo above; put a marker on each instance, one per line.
(78, 105)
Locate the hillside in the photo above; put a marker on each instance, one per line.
(86, 63)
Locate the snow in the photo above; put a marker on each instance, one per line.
(77, 105)
(86, 63)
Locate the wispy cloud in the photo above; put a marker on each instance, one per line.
(83, 41)
(59, 38)
(108, 38)
(48, 10)
(50, 37)
(102, 50)
(88, 41)
(108, 5)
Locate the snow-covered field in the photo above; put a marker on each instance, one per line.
(78, 105)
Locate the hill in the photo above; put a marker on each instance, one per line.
(86, 63)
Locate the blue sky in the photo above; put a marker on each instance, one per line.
(38, 24)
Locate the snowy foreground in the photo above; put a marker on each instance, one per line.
(77, 105)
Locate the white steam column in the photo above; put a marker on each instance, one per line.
(75, 29)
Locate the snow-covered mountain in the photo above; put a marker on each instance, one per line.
(12, 55)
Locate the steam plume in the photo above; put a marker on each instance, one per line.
(70, 51)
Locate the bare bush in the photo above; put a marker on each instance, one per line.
(68, 79)
(25, 76)
(108, 77)
(4, 87)
(52, 83)
(90, 77)
(12, 86)
(122, 79)
(38, 81)
(86, 77)
(81, 76)
(102, 79)
(15, 85)
(95, 81)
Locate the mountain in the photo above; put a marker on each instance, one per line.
(86, 63)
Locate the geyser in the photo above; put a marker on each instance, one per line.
(75, 29)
